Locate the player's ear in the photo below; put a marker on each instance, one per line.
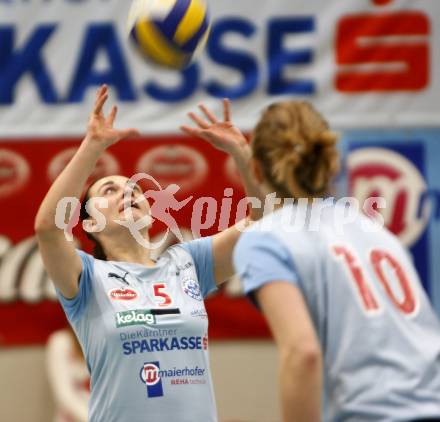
(89, 225)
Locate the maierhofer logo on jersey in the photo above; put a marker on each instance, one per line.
(123, 294)
(152, 376)
(135, 317)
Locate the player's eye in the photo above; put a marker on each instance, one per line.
(109, 190)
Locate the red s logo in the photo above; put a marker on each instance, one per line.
(383, 52)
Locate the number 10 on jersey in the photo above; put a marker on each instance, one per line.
(378, 258)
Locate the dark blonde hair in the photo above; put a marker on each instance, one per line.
(98, 250)
(296, 149)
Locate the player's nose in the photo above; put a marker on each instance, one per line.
(128, 190)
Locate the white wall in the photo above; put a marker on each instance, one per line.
(244, 380)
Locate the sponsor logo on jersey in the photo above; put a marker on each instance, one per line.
(119, 277)
(156, 332)
(135, 317)
(183, 267)
(192, 288)
(123, 294)
(151, 376)
(199, 313)
(168, 344)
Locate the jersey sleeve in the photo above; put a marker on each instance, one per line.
(260, 258)
(201, 253)
(74, 307)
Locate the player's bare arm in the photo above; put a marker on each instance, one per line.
(225, 136)
(300, 360)
(55, 249)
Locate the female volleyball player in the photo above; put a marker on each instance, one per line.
(142, 324)
(345, 304)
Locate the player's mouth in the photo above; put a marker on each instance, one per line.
(130, 204)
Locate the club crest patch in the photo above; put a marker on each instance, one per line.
(192, 288)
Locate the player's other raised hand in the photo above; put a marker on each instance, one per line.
(222, 134)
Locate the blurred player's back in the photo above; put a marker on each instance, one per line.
(379, 334)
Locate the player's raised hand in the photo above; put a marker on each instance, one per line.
(100, 128)
(222, 135)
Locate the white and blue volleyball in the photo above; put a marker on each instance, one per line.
(170, 33)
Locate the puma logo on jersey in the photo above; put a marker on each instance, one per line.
(119, 277)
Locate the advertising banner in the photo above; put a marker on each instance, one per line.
(370, 66)
(362, 62)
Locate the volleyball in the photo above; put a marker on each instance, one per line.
(170, 33)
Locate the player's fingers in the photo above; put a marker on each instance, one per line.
(203, 124)
(190, 130)
(226, 109)
(100, 91)
(129, 133)
(103, 89)
(112, 116)
(208, 114)
(99, 104)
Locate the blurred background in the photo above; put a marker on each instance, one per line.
(371, 66)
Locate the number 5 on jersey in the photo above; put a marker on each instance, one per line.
(160, 295)
(378, 258)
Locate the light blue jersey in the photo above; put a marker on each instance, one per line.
(379, 335)
(144, 333)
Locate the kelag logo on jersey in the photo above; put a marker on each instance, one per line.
(394, 171)
(135, 317)
(150, 376)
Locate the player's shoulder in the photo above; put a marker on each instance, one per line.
(272, 222)
(178, 254)
(282, 224)
(257, 238)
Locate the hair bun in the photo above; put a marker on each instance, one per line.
(327, 138)
(297, 149)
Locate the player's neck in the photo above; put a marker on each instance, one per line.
(127, 250)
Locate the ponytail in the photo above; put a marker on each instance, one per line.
(296, 149)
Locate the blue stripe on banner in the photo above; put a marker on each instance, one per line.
(191, 45)
(170, 24)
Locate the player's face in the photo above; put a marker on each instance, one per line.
(121, 196)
